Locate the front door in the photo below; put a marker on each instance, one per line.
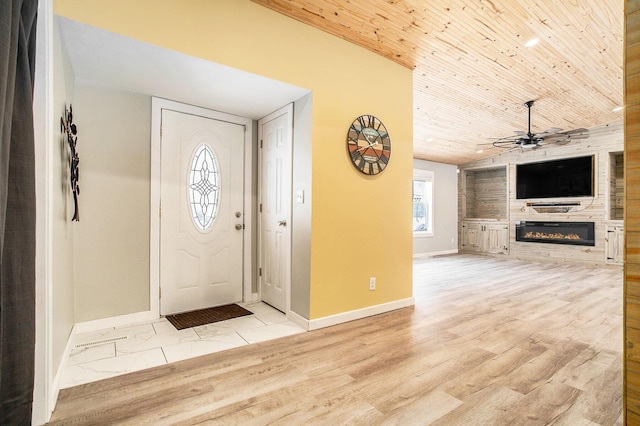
(275, 132)
(201, 220)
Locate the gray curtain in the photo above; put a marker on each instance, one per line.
(17, 210)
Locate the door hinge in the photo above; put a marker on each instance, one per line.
(260, 143)
(259, 272)
(160, 211)
(160, 293)
(260, 207)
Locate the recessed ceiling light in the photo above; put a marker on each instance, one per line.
(430, 140)
(532, 42)
(479, 151)
(616, 109)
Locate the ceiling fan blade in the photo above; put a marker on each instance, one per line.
(506, 142)
(548, 132)
(578, 133)
(568, 136)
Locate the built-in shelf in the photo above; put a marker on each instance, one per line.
(616, 186)
(485, 193)
(558, 207)
(569, 204)
(565, 209)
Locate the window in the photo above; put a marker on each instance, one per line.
(423, 203)
(204, 187)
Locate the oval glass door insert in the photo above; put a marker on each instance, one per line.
(204, 187)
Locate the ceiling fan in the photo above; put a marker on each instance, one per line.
(528, 140)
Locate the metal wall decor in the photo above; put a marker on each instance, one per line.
(67, 126)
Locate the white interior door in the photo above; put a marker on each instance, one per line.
(275, 133)
(201, 222)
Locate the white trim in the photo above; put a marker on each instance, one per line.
(111, 322)
(422, 234)
(426, 176)
(157, 105)
(318, 323)
(45, 392)
(154, 210)
(434, 253)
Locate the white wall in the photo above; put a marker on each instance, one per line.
(301, 212)
(445, 205)
(62, 289)
(112, 237)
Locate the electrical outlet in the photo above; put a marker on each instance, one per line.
(372, 283)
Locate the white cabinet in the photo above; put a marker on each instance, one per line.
(614, 244)
(471, 240)
(497, 238)
(485, 238)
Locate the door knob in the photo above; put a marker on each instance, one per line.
(238, 226)
(282, 223)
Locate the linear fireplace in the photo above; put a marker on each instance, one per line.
(575, 233)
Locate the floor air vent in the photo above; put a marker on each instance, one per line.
(99, 342)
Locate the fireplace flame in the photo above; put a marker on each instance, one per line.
(556, 236)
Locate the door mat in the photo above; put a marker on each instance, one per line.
(207, 316)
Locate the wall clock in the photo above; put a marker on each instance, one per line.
(369, 145)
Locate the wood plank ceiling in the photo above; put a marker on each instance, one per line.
(472, 71)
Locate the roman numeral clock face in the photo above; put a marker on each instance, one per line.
(369, 145)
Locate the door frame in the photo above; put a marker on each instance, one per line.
(157, 105)
(289, 110)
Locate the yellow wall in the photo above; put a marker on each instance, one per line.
(361, 225)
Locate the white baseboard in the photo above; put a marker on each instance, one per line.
(298, 319)
(119, 321)
(55, 385)
(434, 253)
(359, 314)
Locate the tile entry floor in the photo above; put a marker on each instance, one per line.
(114, 351)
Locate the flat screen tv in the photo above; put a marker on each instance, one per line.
(569, 177)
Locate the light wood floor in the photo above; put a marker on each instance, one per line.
(489, 342)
